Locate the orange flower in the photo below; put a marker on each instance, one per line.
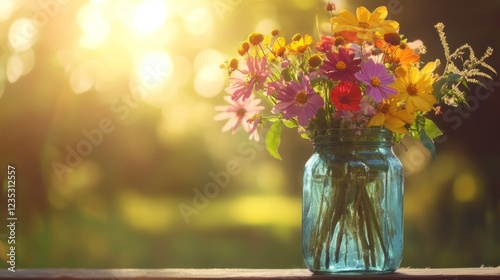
(403, 57)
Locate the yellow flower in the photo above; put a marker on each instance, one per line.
(415, 87)
(367, 26)
(301, 45)
(279, 47)
(391, 116)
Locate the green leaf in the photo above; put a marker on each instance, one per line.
(273, 139)
(272, 119)
(289, 123)
(429, 144)
(286, 75)
(438, 86)
(431, 129)
(453, 77)
(464, 83)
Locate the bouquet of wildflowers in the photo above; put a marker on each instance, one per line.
(363, 74)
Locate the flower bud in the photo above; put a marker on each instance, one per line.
(233, 64)
(339, 41)
(255, 38)
(330, 6)
(392, 38)
(315, 61)
(296, 37)
(243, 48)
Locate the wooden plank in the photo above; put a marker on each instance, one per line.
(489, 273)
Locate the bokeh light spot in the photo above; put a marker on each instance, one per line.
(145, 213)
(150, 15)
(76, 184)
(94, 25)
(199, 21)
(266, 25)
(465, 187)
(262, 210)
(6, 9)
(210, 79)
(15, 68)
(23, 34)
(152, 71)
(82, 78)
(19, 64)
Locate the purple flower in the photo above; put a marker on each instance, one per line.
(298, 99)
(341, 66)
(250, 75)
(377, 80)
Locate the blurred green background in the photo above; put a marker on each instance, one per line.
(103, 177)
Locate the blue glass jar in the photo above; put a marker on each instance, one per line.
(352, 208)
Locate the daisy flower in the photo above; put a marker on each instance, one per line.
(250, 75)
(341, 66)
(366, 25)
(346, 96)
(392, 117)
(300, 45)
(415, 87)
(298, 99)
(377, 80)
(238, 113)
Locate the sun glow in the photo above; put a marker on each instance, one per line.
(149, 16)
(151, 74)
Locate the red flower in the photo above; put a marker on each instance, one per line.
(346, 96)
(325, 45)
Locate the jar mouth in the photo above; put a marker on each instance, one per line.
(362, 136)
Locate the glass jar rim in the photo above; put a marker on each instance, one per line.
(362, 136)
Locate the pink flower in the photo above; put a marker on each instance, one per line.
(238, 113)
(253, 123)
(298, 99)
(251, 74)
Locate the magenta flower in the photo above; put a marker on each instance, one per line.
(251, 74)
(377, 80)
(238, 113)
(341, 66)
(298, 99)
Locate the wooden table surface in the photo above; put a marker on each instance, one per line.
(253, 274)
